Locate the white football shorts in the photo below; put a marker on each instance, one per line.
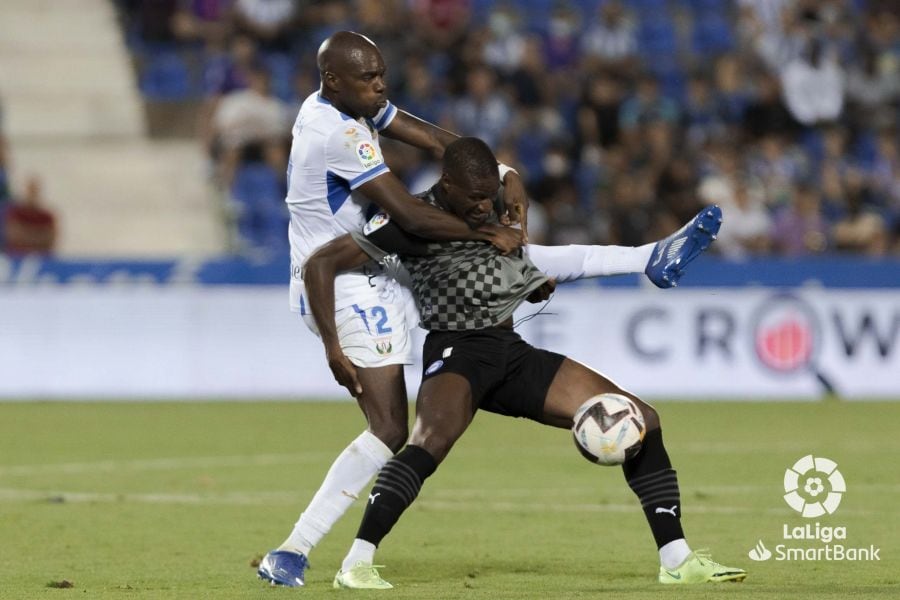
(374, 329)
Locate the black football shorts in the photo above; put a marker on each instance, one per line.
(507, 375)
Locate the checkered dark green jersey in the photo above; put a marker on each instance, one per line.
(458, 285)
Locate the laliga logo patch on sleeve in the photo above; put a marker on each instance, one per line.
(375, 223)
(367, 154)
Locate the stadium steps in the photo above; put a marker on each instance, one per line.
(73, 115)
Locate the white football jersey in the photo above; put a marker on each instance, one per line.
(332, 154)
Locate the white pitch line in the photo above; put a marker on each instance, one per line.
(62, 497)
(167, 464)
(268, 498)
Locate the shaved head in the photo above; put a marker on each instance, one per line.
(344, 49)
(352, 71)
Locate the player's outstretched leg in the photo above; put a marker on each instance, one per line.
(673, 254)
(444, 409)
(384, 404)
(649, 474)
(653, 480)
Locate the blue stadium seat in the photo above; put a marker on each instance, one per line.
(657, 37)
(712, 35)
(281, 69)
(166, 77)
(709, 7)
(670, 75)
(864, 148)
(648, 8)
(263, 217)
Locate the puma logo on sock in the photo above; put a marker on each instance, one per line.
(659, 510)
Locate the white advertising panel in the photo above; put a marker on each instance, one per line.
(241, 342)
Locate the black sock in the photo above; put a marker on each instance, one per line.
(398, 484)
(651, 476)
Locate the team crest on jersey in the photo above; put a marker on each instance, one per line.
(384, 346)
(367, 154)
(375, 223)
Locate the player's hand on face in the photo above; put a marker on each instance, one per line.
(542, 293)
(515, 200)
(506, 239)
(344, 372)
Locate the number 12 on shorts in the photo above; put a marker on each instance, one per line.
(376, 312)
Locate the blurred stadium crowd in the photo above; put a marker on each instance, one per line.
(623, 117)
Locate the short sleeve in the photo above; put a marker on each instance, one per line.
(382, 236)
(384, 116)
(353, 155)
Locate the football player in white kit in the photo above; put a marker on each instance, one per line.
(336, 176)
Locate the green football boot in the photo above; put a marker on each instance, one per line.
(698, 567)
(362, 576)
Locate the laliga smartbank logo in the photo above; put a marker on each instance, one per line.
(812, 473)
(814, 487)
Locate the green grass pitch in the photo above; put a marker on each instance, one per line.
(171, 500)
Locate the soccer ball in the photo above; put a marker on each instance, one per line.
(608, 429)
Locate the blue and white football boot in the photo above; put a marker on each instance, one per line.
(281, 567)
(672, 254)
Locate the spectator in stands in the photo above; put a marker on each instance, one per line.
(730, 90)
(884, 172)
(207, 21)
(813, 85)
(483, 110)
(799, 228)
(780, 165)
(783, 34)
(226, 72)
(504, 45)
(647, 105)
(630, 211)
(154, 20)
(441, 24)
(701, 119)
(269, 22)
(676, 188)
(422, 93)
(251, 124)
(610, 43)
(861, 230)
(598, 112)
(742, 200)
(766, 113)
(749, 223)
(223, 73)
(873, 88)
(560, 40)
(29, 226)
(528, 84)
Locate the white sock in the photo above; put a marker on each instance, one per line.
(346, 478)
(673, 554)
(361, 551)
(568, 263)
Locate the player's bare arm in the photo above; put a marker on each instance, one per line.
(340, 254)
(421, 219)
(416, 132)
